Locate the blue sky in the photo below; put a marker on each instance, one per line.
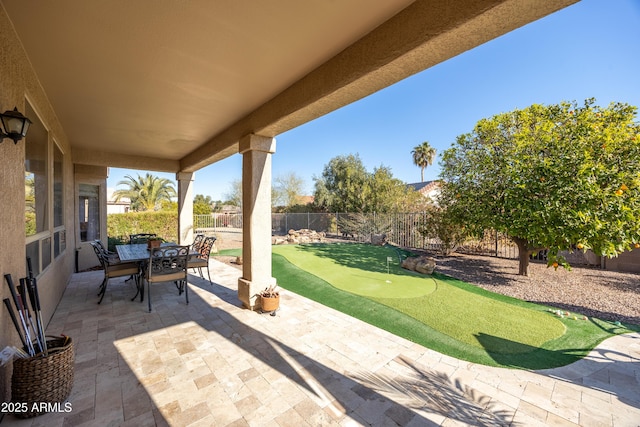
(590, 49)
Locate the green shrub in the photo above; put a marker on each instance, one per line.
(120, 226)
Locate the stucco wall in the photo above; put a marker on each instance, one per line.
(19, 85)
(627, 261)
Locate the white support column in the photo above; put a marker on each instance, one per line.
(185, 207)
(256, 153)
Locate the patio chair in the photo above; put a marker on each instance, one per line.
(197, 241)
(140, 238)
(114, 268)
(168, 264)
(103, 248)
(202, 258)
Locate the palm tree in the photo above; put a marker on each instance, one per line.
(146, 193)
(423, 156)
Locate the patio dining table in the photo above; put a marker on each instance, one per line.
(139, 252)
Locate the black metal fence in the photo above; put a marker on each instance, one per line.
(401, 229)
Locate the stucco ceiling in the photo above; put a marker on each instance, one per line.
(175, 83)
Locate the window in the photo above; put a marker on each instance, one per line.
(59, 242)
(33, 252)
(89, 212)
(44, 196)
(59, 232)
(58, 188)
(36, 177)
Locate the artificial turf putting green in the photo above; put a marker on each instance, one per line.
(448, 309)
(450, 331)
(358, 269)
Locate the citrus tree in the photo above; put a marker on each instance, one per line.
(556, 177)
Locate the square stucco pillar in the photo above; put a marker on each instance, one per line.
(256, 153)
(185, 207)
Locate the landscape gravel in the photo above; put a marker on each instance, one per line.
(589, 291)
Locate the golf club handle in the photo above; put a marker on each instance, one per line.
(36, 293)
(12, 314)
(14, 294)
(24, 294)
(23, 291)
(28, 284)
(20, 308)
(29, 267)
(35, 303)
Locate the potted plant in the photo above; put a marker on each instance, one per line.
(154, 242)
(270, 299)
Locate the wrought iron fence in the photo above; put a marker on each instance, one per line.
(402, 229)
(491, 244)
(217, 221)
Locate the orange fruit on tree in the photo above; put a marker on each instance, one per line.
(555, 264)
(624, 187)
(637, 245)
(619, 192)
(579, 246)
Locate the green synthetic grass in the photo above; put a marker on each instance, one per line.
(437, 311)
(361, 269)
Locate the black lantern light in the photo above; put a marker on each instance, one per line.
(14, 125)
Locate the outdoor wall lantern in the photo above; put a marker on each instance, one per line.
(14, 125)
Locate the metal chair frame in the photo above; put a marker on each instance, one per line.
(141, 238)
(197, 241)
(168, 264)
(113, 268)
(202, 259)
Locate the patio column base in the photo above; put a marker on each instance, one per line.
(249, 291)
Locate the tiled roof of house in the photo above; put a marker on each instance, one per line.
(424, 186)
(304, 200)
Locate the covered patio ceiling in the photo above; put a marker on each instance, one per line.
(173, 85)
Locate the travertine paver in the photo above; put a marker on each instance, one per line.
(212, 363)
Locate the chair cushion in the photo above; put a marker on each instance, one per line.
(197, 262)
(123, 265)
(172, 277)
(122, 270)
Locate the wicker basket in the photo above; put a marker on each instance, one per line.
(43, 379)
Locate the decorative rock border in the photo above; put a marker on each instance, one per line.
(420, 264)
(299, 236)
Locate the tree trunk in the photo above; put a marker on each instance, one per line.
(523, 256)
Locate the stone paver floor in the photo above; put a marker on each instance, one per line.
(212, 363)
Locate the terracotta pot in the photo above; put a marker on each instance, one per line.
(270, 303)
(154, 243)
